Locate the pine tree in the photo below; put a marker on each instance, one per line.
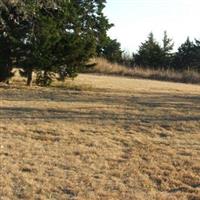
(66, 36)
(185, 56)
(196, 61)
(9, 17)
(112, 50)
(167, 48)
(150, 54)
(56, 36)
(102, 25)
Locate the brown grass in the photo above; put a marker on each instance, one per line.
(115, 138)
(105, 67)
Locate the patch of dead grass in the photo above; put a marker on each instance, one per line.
(105, 67)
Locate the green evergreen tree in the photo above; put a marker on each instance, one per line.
(185, 56)
(167, 48)
(150, 54)
(112, 50)
(102, 25)
(7, 24)
(54, 35)
(42, 49)
(196, 61)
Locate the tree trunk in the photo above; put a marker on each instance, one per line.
(29, 77)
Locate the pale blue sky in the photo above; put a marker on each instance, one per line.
(135, 19)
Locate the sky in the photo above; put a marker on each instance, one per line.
(135, 19)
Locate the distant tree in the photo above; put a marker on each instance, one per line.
(186, 55)
(127, 59)
(196, 61)
(167, 47)
(150, 54)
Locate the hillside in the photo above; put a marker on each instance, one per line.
(100, 137)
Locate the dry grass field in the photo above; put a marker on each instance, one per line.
(100, 138)
(103, 66)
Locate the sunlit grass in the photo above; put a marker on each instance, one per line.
(100, 137)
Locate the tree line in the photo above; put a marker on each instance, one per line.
(59, 37)
(152, 54)
(52, 36)
(155, 55)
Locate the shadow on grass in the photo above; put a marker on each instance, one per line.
(147, 104)
(86, 114)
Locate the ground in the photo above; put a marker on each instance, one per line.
(100, 137)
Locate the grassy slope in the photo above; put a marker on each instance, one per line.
(104, 67)
(116, 138)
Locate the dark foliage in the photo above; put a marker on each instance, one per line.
(188, 56)
(150, 54)
(51, 36)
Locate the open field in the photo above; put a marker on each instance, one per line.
(106, 138)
